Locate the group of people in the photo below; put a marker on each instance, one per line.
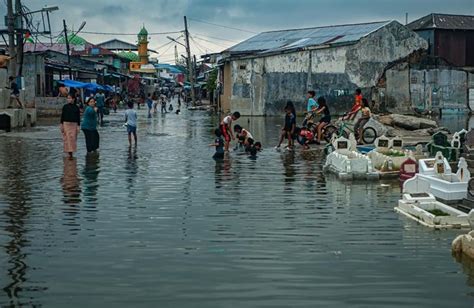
(225, 134)
(154, 100)
(70, 123)
(311, 131)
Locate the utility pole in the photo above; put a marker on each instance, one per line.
(190, 66)
(19, 37)
(11, 38)
(67, 49)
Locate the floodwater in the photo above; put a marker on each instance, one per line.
(164, 225)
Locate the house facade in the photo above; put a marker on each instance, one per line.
(259, 75)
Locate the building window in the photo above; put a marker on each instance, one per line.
(243, 67)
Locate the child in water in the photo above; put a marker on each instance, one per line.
(226, 128)
(254, 149)
(243, 135)
(289, 129)
(219, 144)
(306, 136)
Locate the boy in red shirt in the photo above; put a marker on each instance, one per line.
(356, 107)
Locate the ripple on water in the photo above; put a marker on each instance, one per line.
(164, 224)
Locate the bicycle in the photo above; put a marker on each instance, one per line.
(343, 128)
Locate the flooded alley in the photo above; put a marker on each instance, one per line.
(165, 225)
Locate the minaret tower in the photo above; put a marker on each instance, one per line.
(143, 45)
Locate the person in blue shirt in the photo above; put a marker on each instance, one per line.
(100, 99)
(311, 107)
(89, 126)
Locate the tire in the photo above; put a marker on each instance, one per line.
(328, 131)
(369, 135)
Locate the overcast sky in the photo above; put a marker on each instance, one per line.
(128, 16)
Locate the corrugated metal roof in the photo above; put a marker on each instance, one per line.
(300, 38)
(443, 21)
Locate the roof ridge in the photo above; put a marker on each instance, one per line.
(321, 27)
(456, 15)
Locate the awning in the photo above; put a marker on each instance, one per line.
(74, 84)
(82, 85)
(108, 88)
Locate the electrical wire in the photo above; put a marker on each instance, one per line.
(118, 33)
(217, 38)
(223, 26)
(212, 42)
(196, 45)
(164, 52)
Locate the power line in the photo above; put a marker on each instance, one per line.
(197, 45)
(223, 26)
(164, 52)
(199, 38)
(217, 38)
(116, 33)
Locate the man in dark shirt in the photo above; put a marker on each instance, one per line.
(15, 92)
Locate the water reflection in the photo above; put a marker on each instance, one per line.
(288, 160)
(264, 233)
(91, 174)
(17, 214)
(223, 171)
(131, 168)
(467, 266)
(70, 182)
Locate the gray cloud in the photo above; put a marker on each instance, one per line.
(254, 15)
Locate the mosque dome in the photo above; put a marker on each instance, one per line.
(129, 55)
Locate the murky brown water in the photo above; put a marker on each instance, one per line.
(166, 226)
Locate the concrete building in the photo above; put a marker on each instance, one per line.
(258, 76)
(425, 83)
(118, 45)
(104, 56)
(450, 37)
(439, 78)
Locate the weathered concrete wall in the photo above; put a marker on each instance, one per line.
(471, 91)
(227, 89)
(397, 92)
(15, 118)
(49, 106)
(4, 93)
(439, 88)
(425, 89)
(34, 75)
(263, 85)
(366, 61)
